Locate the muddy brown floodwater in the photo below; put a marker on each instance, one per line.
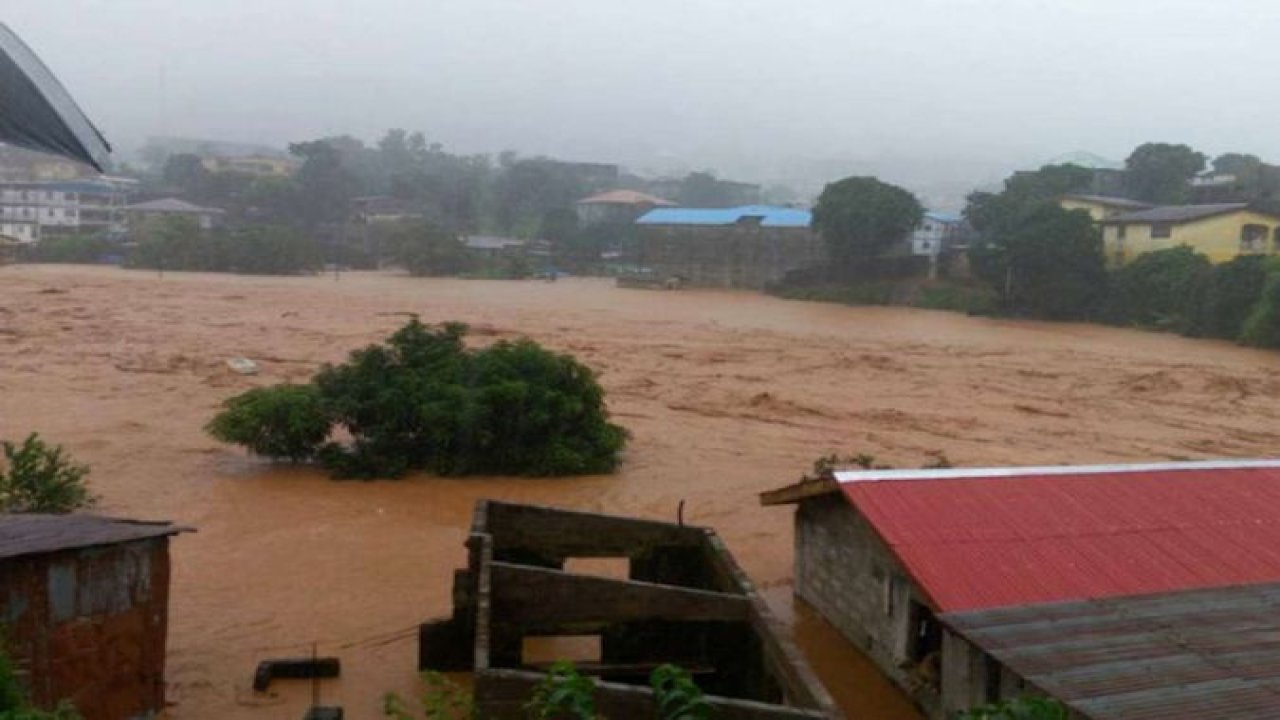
(727, 394)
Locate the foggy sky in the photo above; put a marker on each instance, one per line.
(925, 92)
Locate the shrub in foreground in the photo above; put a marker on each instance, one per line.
(424, 401)
(39, 478)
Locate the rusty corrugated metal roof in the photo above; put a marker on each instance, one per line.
(1195, 654)
(34, 534)
(985, 538)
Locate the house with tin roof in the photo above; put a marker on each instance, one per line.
(1221, 231)
(144, 215)
(86, 610)
(952, 580)
(750, 246)
(1101, 207)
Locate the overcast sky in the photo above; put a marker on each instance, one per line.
(922, 91)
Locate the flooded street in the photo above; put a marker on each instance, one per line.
(726, 395)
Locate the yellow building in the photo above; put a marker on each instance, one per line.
(1220, 232)
(1101, 207)
(260, 165)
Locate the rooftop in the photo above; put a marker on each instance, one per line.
(1174, 656)
(172, 205)
(981, 538)
(1109, 201)
(625, 197)
(770, 216)
(1177, 213)
(38, 534)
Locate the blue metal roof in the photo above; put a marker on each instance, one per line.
(771, 216)
(943, 217)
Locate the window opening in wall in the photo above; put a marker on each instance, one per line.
(1253, 238)
(1162, 230)
(543, 650)
(617, 568)
(924, 646)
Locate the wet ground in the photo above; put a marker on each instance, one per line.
(727, 394)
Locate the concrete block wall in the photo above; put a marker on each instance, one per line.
(849, 576)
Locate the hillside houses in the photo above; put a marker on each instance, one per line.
(967, 586)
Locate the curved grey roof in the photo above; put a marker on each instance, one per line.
(37, 113)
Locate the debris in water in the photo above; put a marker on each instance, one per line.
(243, 366)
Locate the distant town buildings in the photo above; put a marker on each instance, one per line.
(259, 165)
(32, 210)
(145, 216)
(617, 207)
(743, 247)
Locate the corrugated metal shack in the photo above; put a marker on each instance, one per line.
(1170, 656)
(881, 554)
(85, 610)
(683, 600)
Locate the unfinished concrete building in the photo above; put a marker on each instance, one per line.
(681, 599)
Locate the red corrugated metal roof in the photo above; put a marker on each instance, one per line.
(976, 539)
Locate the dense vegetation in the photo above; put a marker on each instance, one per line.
(424, 401)
(38, 478)
(860, 218)
(180, 244)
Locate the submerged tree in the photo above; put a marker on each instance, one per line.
(424, 401)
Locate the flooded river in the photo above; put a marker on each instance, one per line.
(726, 394)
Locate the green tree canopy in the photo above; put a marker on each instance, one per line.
(861, 217)
(425, 248)
(1023, 193)
(424, 401)
(1049, 265)
(1160, 172)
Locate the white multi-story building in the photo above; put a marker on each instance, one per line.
(30, 211)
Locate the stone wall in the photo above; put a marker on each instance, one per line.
(90, 625)
(736, 256)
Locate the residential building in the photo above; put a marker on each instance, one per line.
(1185, 655)
(744, 247)
(32, 210)
(1220, 232)
(617, 207)
(375, 209)
(937, 233)
(884, 554)
(1101, 207)
(146, 216)
(85, 610)
(260, 165)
